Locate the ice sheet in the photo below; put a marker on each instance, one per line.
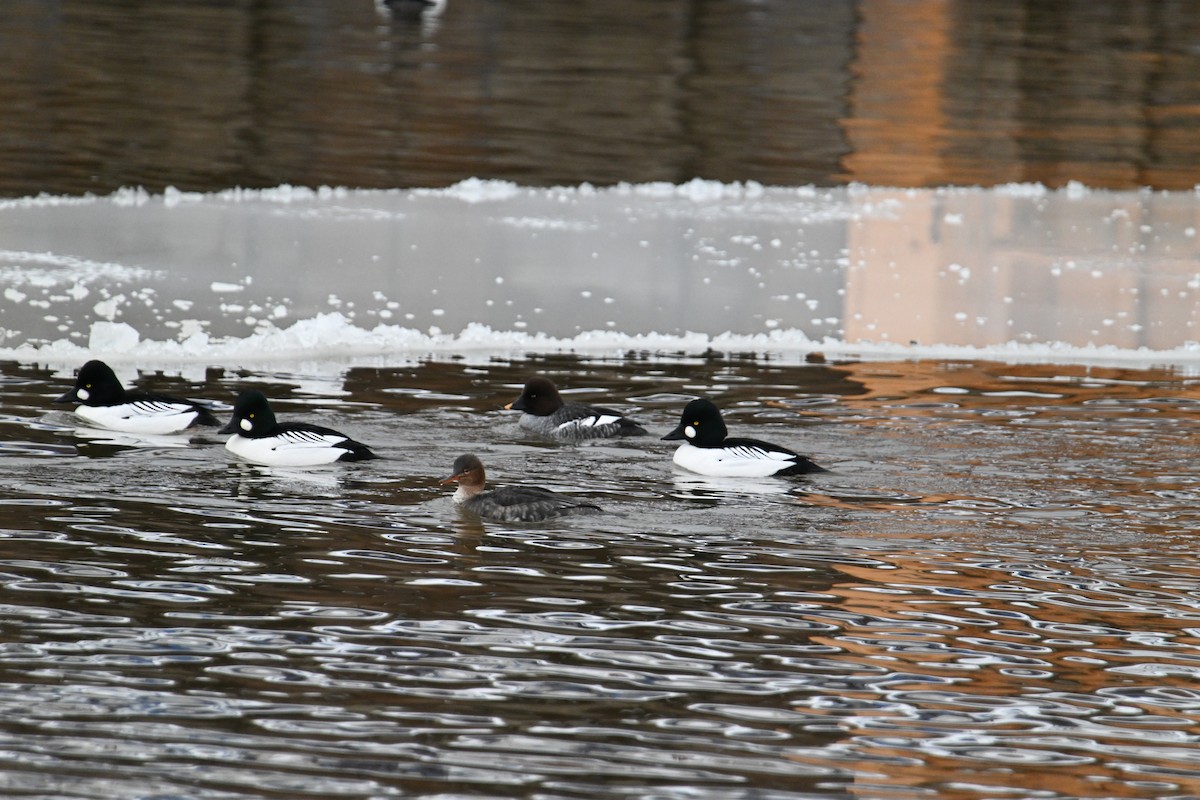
(487, 268)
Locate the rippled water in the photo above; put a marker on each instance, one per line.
(995, 587)
(106, 93)
(995, 592)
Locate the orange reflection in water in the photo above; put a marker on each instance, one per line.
(987, 268)
(921, 93)
(1023, 639)
(983, 93)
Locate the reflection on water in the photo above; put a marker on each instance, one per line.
(998, 580)
(885, 92)
(984, 268)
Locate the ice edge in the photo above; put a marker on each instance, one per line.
(333, 336)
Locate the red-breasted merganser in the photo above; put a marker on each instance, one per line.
(509, 503)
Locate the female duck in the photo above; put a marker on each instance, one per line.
(708, 449)
(259, 438)
(105, 403)
(509, 503)
(547, 414)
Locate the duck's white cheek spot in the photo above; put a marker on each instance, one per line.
(246, 425)
(83, 394)
(689, 432)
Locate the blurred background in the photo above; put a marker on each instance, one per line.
(100, 94)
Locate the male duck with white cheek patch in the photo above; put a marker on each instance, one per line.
(709, 450)
(258, 437)
(105, 403)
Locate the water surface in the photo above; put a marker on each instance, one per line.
(994, 592)
(996, 586)
(101, 94)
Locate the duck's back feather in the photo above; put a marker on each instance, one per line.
(526, 504)
(576, 422)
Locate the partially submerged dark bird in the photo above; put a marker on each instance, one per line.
(509, 503)
(547, 414)
(709, 450)
(258, 437)
(104, 402)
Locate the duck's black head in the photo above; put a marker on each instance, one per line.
(700, 424)
(252, 415)
(95, 385)
(540, 398)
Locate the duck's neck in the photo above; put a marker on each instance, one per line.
(469, 486)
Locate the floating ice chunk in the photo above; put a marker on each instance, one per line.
(109, 308)
(52, 269)
(16, 295)
(221, 287)
(476, 190)
(1022, 190)
(173, 197)
(129, 197)
(117, 337)
(549, 224)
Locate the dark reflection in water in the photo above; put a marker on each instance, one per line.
(998, 580)
(103, 94)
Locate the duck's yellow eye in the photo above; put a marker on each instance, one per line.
(250, 416)
(696, 424)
